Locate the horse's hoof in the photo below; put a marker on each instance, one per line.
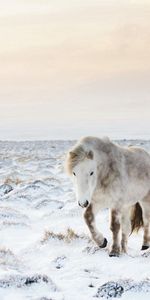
(145, 247)
(104, 243)
(114, 254)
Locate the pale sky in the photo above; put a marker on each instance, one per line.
(70, 68)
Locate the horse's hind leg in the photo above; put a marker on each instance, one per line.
(89, 217)
(115, 228)
(146, 220)
(126, 230)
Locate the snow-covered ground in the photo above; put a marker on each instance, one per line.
(45, 249)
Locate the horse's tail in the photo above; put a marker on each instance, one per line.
(136, 218)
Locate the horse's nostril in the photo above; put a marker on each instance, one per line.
(86, 203)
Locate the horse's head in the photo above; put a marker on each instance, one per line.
(83, 169)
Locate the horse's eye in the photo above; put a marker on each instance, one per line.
(74, 173)
(91, 173)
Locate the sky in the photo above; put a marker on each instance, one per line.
(70, 68)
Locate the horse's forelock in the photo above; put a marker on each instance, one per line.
(75, 156)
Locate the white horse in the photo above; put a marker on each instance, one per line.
(107, 175)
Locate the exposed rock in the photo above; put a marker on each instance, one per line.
(19, 281)
(110, 290)
(114, 289)
(59, 262)
(5, 189)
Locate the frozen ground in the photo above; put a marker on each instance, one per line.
(45, 250)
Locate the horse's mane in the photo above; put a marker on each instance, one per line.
(83, 149)
(76, 155)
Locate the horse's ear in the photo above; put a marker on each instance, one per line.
(72, 154)
(90, 154)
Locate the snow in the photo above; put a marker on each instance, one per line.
(45, 248)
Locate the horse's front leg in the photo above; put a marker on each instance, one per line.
(89, 217)
(115, 228)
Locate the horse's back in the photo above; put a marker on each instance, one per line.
(137, 162)
(136, 159)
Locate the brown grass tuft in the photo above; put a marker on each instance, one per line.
(67, 237)
(10, 181)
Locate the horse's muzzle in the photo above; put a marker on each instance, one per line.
(85, 204)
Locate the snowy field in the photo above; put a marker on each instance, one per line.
(45, 249)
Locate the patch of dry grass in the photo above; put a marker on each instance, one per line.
(67, 237)
(10, 180)
(11, 223)
(8, 258)
(24, 159)
(5, 251)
